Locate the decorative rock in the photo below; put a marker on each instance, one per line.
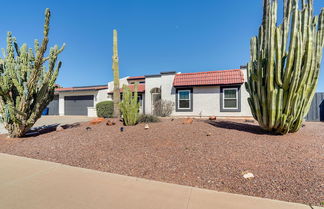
(146, 126)
(187, 121)
(110, 123)
(66, 126)
(212, 118)
(248, 175)
(88, 128)
(59, 128)
(96, 121)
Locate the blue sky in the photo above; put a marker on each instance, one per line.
(154, 36)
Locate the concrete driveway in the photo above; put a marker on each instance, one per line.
(50, 120)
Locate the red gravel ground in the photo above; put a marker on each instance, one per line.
(200, 154)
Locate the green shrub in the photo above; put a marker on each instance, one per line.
(148, 119)
(105, 109)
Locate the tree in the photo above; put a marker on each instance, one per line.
(115, 67)
(282, 76)
(27, 82)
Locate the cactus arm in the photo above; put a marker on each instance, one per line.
(278, 69)
(291, 53)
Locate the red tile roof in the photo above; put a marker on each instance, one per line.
(209, 78)
(82, 88)
(136, 77)
(140, 89)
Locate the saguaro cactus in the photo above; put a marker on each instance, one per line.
(115, 67)
(27, 82)
(282, 76)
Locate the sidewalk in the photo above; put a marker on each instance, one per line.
(34, 184)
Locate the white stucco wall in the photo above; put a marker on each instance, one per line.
(92, 112)
(122, 81)
(167, 89)
(150, 83)
(102, 95)
(206, 102)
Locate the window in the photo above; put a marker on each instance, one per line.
(184, 99)
(230, 98)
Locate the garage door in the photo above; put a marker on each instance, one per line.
(77, 105)
(53, 106)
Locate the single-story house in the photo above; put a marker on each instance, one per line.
(212, 93)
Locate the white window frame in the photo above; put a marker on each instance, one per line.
(237, 99)
(182, 108)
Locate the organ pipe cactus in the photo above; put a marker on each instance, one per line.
(129, 106)
(115, 67)
(284, 65)
(27, 82)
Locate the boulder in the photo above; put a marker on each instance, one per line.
(248, 175)
(88, 128)
(59, 128)
(212, 118)
(187, 121)
(110, 123)
(96, 121)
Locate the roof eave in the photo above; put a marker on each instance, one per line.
(193, 85)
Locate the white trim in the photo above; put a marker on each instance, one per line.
(236, 97)
(181, 108)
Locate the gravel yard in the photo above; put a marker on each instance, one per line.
(212, 155)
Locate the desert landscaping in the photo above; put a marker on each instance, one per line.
(205, 154)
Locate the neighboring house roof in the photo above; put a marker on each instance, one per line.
(222, 77)
(136, 78)
(82, 88)
(140, 89)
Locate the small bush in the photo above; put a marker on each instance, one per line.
(105, 109)
(163, 108)
(148, 119)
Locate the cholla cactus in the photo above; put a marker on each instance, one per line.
(115, 67)
(282, 76)
(129, 106)
(26, 86)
